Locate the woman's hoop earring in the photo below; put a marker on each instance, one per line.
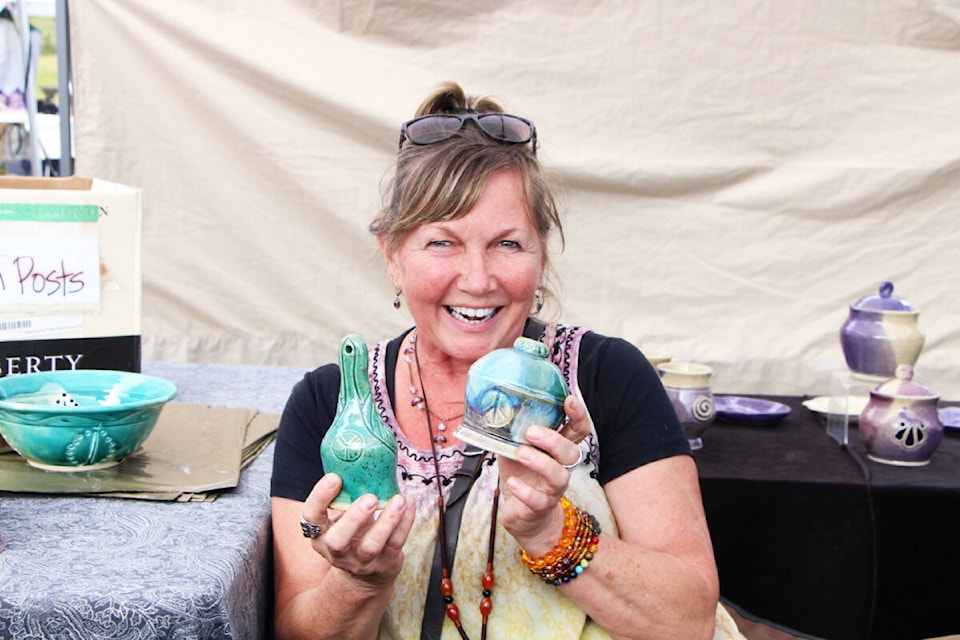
(396, 299)
(537, 301)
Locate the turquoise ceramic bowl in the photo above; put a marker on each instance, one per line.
(80, 420)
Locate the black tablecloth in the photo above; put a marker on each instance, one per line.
(821, 539)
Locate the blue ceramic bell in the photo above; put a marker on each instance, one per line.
(508, 390)
(359, 446)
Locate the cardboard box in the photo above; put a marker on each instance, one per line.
(70, 280)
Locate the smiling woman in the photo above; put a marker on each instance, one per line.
(471, 282)
(464, 233)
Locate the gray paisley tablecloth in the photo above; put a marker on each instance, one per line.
(80, 567)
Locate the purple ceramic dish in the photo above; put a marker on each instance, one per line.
(743, 409)
(950, 417)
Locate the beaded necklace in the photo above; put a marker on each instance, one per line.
(419, 398)
(446, 584)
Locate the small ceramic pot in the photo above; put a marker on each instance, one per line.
(900, 424)
(688, 386)
(509, 390)
(881, 333)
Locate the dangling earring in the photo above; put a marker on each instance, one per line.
(537, 300)
(396, 299)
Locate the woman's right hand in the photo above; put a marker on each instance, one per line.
(358, 541)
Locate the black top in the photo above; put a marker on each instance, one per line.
(633, 418)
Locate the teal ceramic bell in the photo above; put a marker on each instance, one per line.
(508, 390)
(359, 446)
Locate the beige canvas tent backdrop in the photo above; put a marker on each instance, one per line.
(736, 173)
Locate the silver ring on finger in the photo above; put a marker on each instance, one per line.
(579, 461)
(311, 530)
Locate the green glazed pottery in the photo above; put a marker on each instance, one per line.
(359, 446)
(80, 420)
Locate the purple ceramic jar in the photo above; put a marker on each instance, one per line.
(880, 334)
(900, 424)
(688, 386)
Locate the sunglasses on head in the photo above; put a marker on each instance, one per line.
(438, 127)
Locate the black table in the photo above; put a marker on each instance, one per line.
(822, 540)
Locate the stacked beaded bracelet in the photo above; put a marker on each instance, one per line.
(574, 551)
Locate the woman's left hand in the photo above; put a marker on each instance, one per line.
(533, 484)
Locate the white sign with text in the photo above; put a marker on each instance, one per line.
(38, 272)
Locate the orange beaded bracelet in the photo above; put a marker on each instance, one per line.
(573, 552)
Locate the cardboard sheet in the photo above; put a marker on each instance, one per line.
(193, 451)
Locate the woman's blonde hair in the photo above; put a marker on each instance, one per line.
(444, 180)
